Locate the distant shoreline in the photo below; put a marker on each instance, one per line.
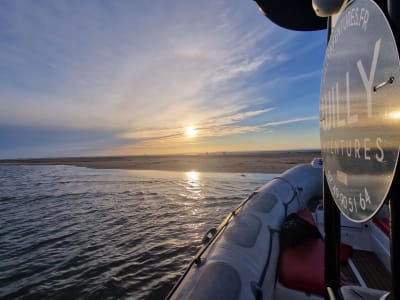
(259, 162)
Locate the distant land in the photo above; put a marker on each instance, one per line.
(243, 162)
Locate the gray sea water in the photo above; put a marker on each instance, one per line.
(77, 233)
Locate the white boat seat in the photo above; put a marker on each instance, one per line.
(354, 292)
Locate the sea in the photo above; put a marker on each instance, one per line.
(77, 233)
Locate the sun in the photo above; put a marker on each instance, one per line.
(191, 131)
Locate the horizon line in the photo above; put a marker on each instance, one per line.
(211, 153)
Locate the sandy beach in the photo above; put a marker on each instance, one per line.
(239, 163)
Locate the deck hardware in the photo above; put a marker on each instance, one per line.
(272, 230)
(331, 294)
(294, 189)
(256, 289)
(326, 8)
(207, 237)
(197, 261)
(382, 84)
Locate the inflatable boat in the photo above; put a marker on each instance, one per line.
(329, 229)
(240, 258)
(243, 258)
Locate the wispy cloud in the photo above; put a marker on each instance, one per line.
(290, 121)
(91, 75)
(138, 70)
(220, 125)
(234, 69)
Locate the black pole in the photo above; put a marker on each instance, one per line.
(394, 211)
(332, 232)
(332, 245)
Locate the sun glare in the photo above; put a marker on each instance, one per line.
(192, 176)
(394, 115)
(191, 131)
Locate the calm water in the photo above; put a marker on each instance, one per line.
(69, 232)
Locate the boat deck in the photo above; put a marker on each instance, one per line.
(371, 270)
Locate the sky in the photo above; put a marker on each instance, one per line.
(99, 78)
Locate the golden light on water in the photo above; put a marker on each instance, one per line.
(193, 185)
(193, 176)
(394, 115)
(191, 131)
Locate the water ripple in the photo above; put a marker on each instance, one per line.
(69, 232)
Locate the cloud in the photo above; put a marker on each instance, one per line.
(235, 69)
(91, 75)
(220, 125)
(290, 121)
(138, 70)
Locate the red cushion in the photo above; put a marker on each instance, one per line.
(307, 215)
(302, 267)
(383, 224)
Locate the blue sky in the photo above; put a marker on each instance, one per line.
(130, 77)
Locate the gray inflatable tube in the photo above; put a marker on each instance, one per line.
(240, 259)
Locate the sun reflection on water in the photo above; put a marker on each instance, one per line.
(193, 185)
(193, 176)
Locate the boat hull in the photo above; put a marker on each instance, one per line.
(240, 260)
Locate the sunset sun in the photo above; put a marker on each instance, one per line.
(191, 132)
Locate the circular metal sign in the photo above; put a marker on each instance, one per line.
(360, 110)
